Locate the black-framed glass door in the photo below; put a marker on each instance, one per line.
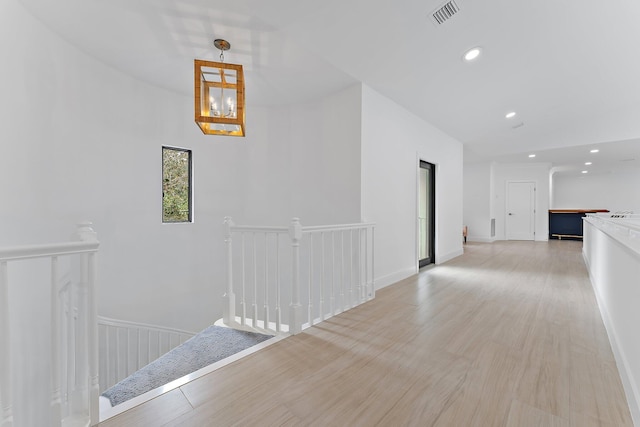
(426, 214)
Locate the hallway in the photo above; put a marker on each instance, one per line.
(509, 334)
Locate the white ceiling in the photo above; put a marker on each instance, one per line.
(570, 69)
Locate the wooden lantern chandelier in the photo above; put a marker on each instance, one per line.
(219, 95)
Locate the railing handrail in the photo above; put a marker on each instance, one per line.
(259, 229)
(355, 226)
(155, 328)
(47, 250)
(306, 229)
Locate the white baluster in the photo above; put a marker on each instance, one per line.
(56, 418)
(138, 351)
(332, 300)
(342, 274)
(366, 262)
(229, 310)
(254, 305)
(322, 284)
(361, 270)
(266, 282)
(148, 347)
(350, 297)
(243, 296)
(72, 321)
(118, 354)
(295, 312)
(80, 387)
(373, 287)
(159, 344)
(64, 342)
(127, 352)
(109, 357)
(6, 411)
(86, 234)
(278, 313)
(357, 267)
(310, 304)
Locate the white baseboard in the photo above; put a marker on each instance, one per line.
(480, 239)
(495, 239)
(390, 279)
(448, 256)
(630, 389)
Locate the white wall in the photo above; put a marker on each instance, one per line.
(393, 140)
(616, 191)
(535, 172)
(65, 162)
(325, 157)
(89, 147)
(477, 201)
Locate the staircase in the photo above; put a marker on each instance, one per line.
(280, 280)
(126, 347)
(207, 347)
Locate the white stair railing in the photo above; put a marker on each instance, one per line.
(74, 397)
(125, 347)
(320, 271)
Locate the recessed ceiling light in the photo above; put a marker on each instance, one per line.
(594, 151)
(588, 163)
(585, 171)
(472, 54)
(531, 156)
(510, 115)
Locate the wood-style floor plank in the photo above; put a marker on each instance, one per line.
(155, 412)
(509, 334)
(523, 415)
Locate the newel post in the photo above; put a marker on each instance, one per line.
(6, 417)
(86, 233)
(229, 309)
(295, 309)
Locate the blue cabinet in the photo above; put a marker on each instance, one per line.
(567, 223)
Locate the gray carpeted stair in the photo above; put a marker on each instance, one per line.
(211, 345)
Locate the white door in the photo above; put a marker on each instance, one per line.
(520, 215)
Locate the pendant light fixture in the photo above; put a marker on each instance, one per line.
(219, 95)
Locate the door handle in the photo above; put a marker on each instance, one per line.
(510, 214)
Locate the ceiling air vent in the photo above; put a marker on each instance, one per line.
(444, 12)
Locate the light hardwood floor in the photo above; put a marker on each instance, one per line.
(509, 334)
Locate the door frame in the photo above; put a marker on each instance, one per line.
(432, 225)
(535, 204)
